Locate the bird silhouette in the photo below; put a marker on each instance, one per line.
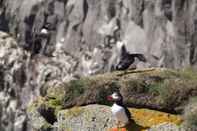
(126, 59)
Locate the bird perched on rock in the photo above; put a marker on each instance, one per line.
(119, 111)
(126, 59)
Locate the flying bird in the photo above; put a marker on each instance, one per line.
(126, 59)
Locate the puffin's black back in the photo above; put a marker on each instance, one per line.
(127, 113)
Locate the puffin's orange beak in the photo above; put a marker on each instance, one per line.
(109, 98)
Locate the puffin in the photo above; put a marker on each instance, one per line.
(126, 59)
(119, 110)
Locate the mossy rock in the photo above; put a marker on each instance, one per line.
(161, 89)
(43, 113)
(36, 119)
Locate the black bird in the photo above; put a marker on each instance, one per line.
(126, 59)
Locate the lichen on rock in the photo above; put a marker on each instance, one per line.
(99, 118)
(86, 118)
(37, 120)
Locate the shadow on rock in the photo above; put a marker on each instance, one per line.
(133, 126)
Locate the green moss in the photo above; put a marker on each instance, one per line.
(57, 93)
(76, 88)
(55, 104)
(80, 84)
(55, 98)
(156, 89)
(133, 85)
(163, 91)
(188, 73)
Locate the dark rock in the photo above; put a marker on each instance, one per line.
(47, 113)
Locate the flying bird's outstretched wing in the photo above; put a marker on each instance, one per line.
(141, 57)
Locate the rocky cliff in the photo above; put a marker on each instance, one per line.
(55, 41)
(86, 30)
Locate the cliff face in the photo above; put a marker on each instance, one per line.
(163, 30)
(61, 40)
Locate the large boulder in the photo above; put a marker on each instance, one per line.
(99, 118)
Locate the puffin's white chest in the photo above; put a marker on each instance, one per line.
(119, 113)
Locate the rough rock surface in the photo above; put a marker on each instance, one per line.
(89, 118)
(88, 29)
(166, 127)
(99, 118)
(13, 76)
(23, 77)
